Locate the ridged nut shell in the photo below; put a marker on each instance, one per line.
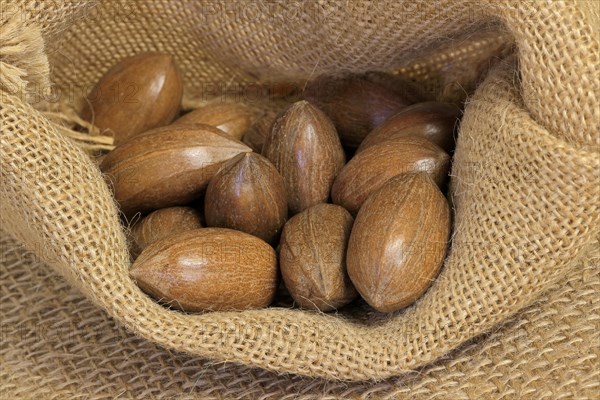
(433, 121)
(247, 194)
(208, 269)
(304, 147)
(139, 93)
(162, 223)
(257, 134)
(356, 104)
(313, 257)
(169, 166)
(232, 118)
(398, 242)
(370, 169)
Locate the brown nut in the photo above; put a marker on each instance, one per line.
(139, 93)
(313, 257)
(371, 168)
(356, 105)
(433, 121)
(400, 85)
(232, 118)
(162, 223)
(169, 166)
(399, 241)
(247, 194)
(257, 134)
(305, 149)
(208, 269)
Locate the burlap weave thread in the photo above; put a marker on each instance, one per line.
(524, 182)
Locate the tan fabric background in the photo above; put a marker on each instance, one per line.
(56, 344)
(524, 180)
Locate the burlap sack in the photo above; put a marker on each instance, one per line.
(57, 345)
(525, 187)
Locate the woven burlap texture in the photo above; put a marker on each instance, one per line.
(57, 345)
(524, 181)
